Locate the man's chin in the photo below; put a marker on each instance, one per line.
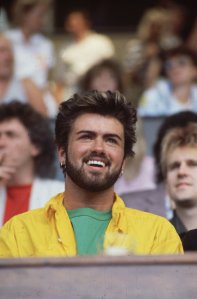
(186, 202)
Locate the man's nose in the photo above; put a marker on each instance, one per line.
(98, 145)
(182, 170)
(2, 141)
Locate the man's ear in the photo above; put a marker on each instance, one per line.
(61, 155)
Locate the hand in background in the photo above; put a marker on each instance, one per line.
(6, 171)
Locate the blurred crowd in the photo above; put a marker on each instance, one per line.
(156, 61)
(157, 72)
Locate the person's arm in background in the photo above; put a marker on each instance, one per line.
(35, 96)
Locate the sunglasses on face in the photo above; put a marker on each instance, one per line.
(181, 61)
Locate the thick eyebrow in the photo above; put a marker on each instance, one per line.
(8, 132)
(173, 164)
(113, 135)
(177, 163)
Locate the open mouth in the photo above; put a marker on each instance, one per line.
(96, 163)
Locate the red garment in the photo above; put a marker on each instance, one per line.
(17, 201)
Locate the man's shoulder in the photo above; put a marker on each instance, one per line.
(36, 217)
(100, 38)
(26, 219)
(152, 200)
(142, 214)
(146, 221)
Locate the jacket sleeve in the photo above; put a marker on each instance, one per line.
(167, 240)
(8, 244)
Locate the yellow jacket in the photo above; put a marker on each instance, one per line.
(48, 232)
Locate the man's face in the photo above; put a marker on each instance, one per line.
(180, 70)
(181, 176)
(16, 149)
(6, 59)
(35, 19)
(75, 23)
(104, 80)
(95, 152)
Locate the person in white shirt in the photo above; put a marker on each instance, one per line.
(86, 49)
(176, 93)
(34, 53)
(24, 90)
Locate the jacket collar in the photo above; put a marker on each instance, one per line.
(119, 222)
(53, 205)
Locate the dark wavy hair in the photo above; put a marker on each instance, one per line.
(178, 51)
(104, 103)
(39, 131)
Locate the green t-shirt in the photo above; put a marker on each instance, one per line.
(89, 226)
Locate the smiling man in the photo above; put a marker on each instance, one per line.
(179, 165)
(95, 132)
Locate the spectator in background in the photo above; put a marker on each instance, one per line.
(103, 76)
(141, 61)
(87, 48)
(34, 53)
(157, 200)
(179, 167)
(177, 120)
(10, 87)
(27, 156)
(176, 93)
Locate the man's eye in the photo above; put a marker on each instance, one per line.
(11, 134)
(173, 166)
(86, 137)
(192, 163)
(112, 140)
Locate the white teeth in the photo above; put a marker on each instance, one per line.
(96, 163)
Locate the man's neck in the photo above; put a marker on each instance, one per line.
(188, 216)
(76, 197)
(82, 35)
